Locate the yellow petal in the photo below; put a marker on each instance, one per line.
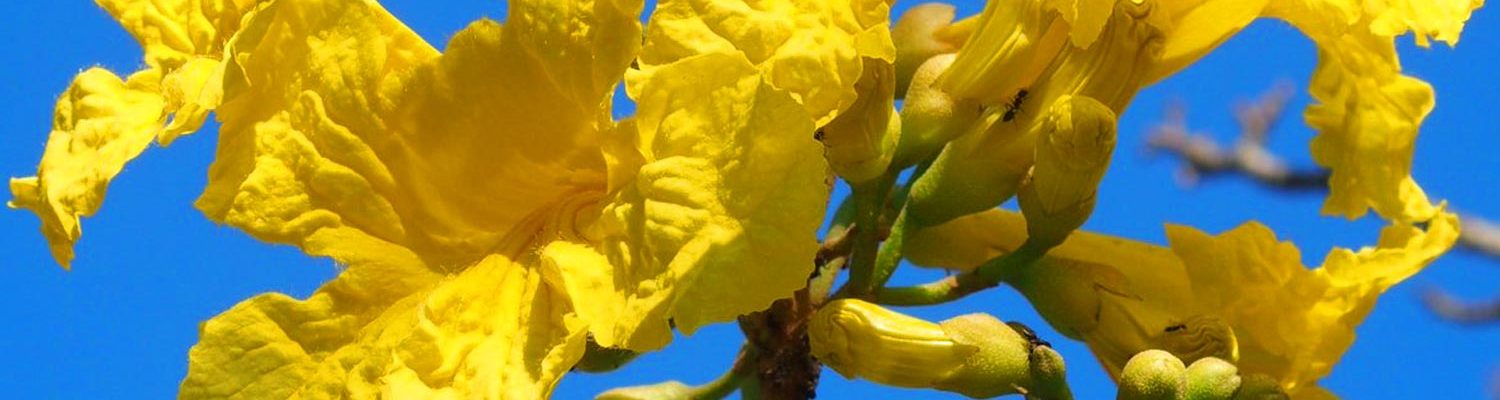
(172, 32)
(495, 331)
(1201, 29)
(1368, 116)
(1293, 323)
(100, 124)
(1442, 19)
(719, 218)
(811, 48)
(1086, 18)
(365, 127)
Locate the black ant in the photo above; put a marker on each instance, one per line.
(1014, 106)
(1028, 334)
(1175, 328)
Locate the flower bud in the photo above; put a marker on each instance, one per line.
(1075, 140)
(930, 118)
(975, 355)
(669, 390)
(1153, 375)
(1212, 378)
(916, 40)
(1048, 375)
(861, 140)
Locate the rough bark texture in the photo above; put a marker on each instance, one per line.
(784, 368)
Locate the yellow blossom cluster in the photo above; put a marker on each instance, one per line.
(492, 217)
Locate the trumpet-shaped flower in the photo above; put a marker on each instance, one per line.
(1241, 295)
(487, 210)
(1368, 113)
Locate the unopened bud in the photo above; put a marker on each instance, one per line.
(975, 355)
(916, 40)
(861, 140)
(930, 118)
(669, 390)
(1153, 375)
(1075, 140)
(1211, 378)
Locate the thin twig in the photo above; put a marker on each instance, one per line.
(1249, 155)
(1452, 309)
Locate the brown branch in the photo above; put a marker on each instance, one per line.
(1248, 156)
(1479, 235)
(1450, 308)
(777, 337)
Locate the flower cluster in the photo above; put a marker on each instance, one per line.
(496, 224)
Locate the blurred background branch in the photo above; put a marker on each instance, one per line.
(1248, 156)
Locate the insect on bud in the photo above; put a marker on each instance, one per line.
(1075, 140)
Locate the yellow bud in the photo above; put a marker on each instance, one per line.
(930, 117)
(975, 355)
(861, 140)
(1153, 375)
(1075, 139)
(669, 390)
(916, 41)
(1212, 378)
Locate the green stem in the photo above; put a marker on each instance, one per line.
(731, 381)
(986, 276)
(890, 253)
(869, 202)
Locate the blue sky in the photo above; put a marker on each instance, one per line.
(150, 267)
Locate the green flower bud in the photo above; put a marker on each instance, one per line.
(915, 36)
(930, 118)
(1260, 387)
(861, 140)
(1211, 378)
(975, 355)
(1075, 140)
(1153, 375)
(669, 390)
(1048, 375)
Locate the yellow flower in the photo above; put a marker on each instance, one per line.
(1239, 295)
(1367, 113)
(488, 212)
